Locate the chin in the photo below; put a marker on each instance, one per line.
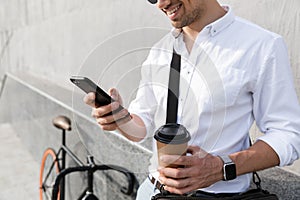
(177, 25)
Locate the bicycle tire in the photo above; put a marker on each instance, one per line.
(48, 172)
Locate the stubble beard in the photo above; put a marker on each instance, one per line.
(187, 19)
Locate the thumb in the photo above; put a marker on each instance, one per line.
(197, 151)
(115, 95)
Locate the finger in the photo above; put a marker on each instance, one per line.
(197, 151)
(114, 93)
(98, 112)
(89, 99)
(118, 117)
(192, 149)
(169, 159)
(181, 173)
(109, 127)
(179, 160)
(104, 110)
(174, 173)
(180, 191)
(180, 186)
(113, 125)
(176, 183)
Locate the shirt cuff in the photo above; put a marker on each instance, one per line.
(283, 146)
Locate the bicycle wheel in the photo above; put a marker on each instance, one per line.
(48, 172)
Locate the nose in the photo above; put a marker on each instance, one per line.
(161, 4)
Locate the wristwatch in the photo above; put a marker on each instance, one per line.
(229, 169)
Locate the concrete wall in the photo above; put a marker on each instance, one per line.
(52, 39)
(108, 40)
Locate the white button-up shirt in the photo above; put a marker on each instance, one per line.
(235, 74)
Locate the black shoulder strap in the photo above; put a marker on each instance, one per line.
(173, 90)
(255, 177)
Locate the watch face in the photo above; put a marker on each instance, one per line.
(230, 171)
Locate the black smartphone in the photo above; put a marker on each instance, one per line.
(102, 98)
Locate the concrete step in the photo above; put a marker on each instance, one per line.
(19, 172)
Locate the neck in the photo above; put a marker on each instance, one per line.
(212, 12)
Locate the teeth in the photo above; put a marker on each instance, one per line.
(173, 10)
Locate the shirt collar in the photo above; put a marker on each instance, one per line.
(215, 27)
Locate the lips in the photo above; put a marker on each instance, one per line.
(171, 12)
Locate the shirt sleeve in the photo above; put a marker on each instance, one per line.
(276, 108)
(144, 103)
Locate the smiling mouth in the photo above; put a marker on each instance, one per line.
(173, 11)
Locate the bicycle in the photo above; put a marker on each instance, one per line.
(53, 169)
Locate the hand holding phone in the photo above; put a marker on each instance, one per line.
(102, 98)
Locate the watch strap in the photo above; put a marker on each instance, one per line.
(226, 159)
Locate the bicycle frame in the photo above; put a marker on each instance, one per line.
(64, 150)
(63, 123)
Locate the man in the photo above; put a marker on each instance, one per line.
(233, 73)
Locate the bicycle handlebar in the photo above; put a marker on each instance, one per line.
(129, 175)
